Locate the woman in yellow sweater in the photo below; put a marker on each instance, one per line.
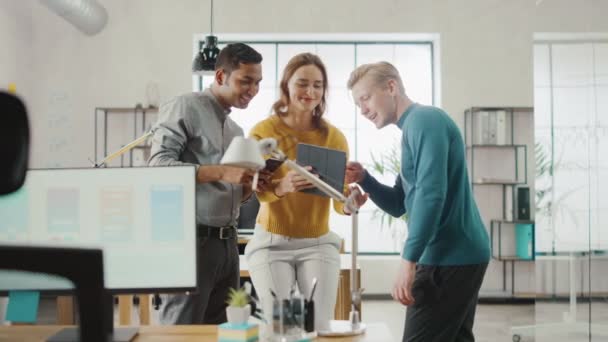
(292, 242)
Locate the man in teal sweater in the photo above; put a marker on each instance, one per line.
(447, 249)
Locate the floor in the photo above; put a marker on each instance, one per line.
(492, 322)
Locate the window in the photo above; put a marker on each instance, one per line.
(413, 55)
(571, 129)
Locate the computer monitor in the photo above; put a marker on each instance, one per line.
(143, 219)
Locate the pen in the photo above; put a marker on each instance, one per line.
(314, 286)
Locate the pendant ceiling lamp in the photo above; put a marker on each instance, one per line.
(204, 62)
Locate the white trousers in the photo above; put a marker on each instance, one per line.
(279, 262)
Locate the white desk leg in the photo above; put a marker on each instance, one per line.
(571, 315)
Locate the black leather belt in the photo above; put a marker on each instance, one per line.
(222, 233)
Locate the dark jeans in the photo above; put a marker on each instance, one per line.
(218, 270)
(445, 303)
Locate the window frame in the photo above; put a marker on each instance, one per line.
(355, 39)
(549, 40)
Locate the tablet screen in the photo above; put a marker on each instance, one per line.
(328, 163)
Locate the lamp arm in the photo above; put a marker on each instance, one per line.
(312, 178)
(125, 148)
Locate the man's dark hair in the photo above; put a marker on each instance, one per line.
(234, 54)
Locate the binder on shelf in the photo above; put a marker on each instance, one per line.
(482, 124)
(490, 128)
(501, 127)
(521, 203)
(508, 206)
(524, 233)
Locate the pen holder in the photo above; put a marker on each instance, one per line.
(288, 316)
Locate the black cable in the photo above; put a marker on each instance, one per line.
(156, 301)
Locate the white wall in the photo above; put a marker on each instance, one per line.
(15, 56)
(486, 48)
(486, 57)
(15, 60)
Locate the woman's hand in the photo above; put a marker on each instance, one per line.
(293, 182)
(264, 181)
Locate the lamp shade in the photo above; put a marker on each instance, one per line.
(244, 152)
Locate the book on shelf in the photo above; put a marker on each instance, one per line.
(490, 128)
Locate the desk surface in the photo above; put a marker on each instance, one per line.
(376, 332)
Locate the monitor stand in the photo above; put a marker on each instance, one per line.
(121, 334)
(124, 334)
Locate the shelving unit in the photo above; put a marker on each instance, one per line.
(101, 147)
(501, 140)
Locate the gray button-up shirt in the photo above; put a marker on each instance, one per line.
(194, 129)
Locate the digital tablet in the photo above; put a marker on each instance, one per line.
(328, 163)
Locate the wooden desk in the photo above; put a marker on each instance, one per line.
(125, 306)
(376, 332)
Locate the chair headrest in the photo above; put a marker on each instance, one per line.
(14, 142)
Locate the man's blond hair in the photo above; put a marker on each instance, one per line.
(381, 73)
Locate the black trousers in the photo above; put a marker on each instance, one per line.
(445, 303)
(218, 271)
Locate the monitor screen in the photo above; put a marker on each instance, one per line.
(142, 218)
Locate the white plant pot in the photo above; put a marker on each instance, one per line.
(238, 315)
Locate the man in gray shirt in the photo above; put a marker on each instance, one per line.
(195, 129)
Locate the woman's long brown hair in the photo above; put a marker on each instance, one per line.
(296, 62)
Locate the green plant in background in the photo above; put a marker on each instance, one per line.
(237, 298)
(548, 204)
(544, 171)
(388, 162)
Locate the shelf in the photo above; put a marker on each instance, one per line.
(502, 297)
(495, 293)
(510, 146)
(100, 149)
(510, 258)
(506, 294)
(529, 295)
(499, 183)
(127, 109)
(567, 254)
(512, 221)
(496, 143)
(496, 109)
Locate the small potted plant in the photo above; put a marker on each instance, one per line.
(238, 309)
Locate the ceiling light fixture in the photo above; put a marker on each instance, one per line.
(204, 62)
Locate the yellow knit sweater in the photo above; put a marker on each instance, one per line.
(297, 214)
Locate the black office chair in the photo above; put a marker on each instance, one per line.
(15, 142)
(84, 267)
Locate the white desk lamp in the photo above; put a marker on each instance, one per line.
(244, 156)
(247, 153)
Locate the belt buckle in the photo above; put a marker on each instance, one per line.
(227, 235)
